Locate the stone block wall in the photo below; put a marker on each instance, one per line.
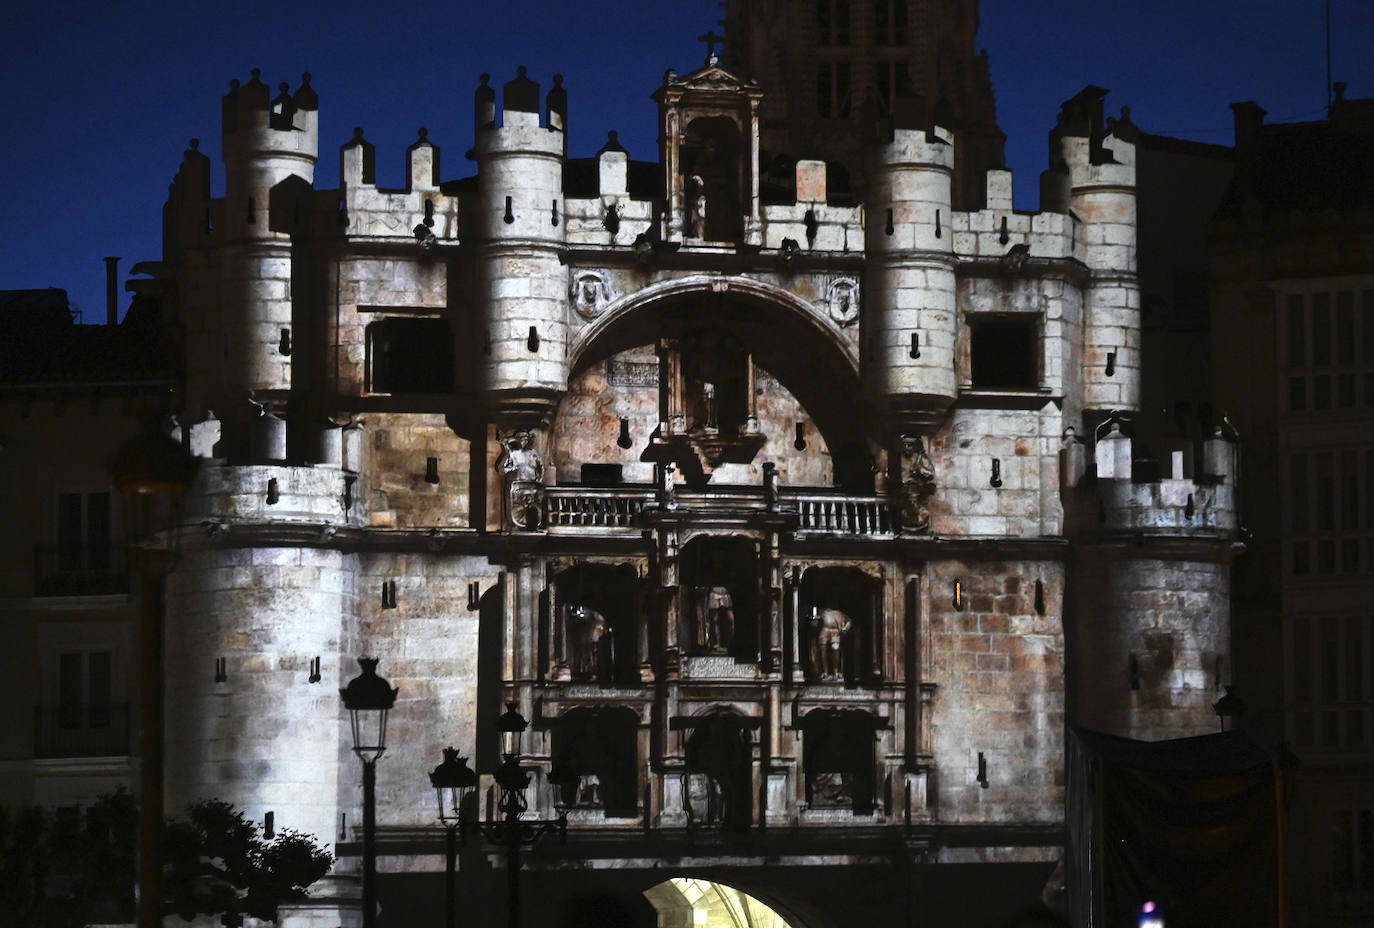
(1025, 445)
(427, 647)
(998, 664)
(396, 491)
(1150, 641)
(264, 737)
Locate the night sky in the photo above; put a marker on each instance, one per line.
(101, 98)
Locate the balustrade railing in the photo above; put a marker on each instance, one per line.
(595, 509)
(824, 514)
(582, 507)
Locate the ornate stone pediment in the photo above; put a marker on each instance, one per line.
(712, 78)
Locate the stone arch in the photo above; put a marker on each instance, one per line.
(700, 902)
(787, 304)
(814, 359)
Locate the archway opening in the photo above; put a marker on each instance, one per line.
(686, 902)
(778, 334)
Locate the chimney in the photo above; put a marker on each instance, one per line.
(111, 291)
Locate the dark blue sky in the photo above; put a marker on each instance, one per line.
(102, 97)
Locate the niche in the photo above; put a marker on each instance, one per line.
(838, 610)
(595, 628)
(596, 758)
(837, 756)
(716, 788)
(712, 180)
(719, 603)
(715, 383)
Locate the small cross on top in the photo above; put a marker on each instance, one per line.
(712, 40)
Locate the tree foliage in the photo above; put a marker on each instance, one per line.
(218, 863)
(60, 868)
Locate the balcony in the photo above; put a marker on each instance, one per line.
(79, 570)
(595, 510)
(81, 730)
(617, 510)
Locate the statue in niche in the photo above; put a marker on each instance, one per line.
(708, 402)
(696, 207)
(523, 469)
(588, 792)
(587, 629)
(918, 483)
(830, 630)
(713, 613)
(830, 789)
(710, 158)
(701, 799)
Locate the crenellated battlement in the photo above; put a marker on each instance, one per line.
(277, 132)
(419, 210)
(1105, 495)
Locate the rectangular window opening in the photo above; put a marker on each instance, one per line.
(1005, 354)
(409, 355)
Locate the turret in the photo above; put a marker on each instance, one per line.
(910, 311)
(521, 225)
(1099, 158)
(270, 144)
(1150, 627)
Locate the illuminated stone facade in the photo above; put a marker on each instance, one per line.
(779, 515)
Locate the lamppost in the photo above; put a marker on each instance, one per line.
(368, 698)
(510, 830)
(453, 781)
(1228, 706)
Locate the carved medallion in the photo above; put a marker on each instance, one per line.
(590, 292)
(842, 300)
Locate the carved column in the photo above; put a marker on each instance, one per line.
(773, 656)
(672, 407)
(643, 633)
(875, 638)
(668, 588)
(751, 411)
(560, 673)
(795, 624)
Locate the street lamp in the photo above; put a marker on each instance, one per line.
(453, 782)
(1228, 706)
(368, 698)
(512, 831)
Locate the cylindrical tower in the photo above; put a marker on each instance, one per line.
(1101, 166)
(1150, 626)
(254, 638)
(244, 350)
(523, 286)
(910, 311)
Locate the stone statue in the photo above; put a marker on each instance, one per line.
(830, 630)
(696, 207)
(918, 483)
(585, 629)
(714, 615)
(523, 469)
(708, 402)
